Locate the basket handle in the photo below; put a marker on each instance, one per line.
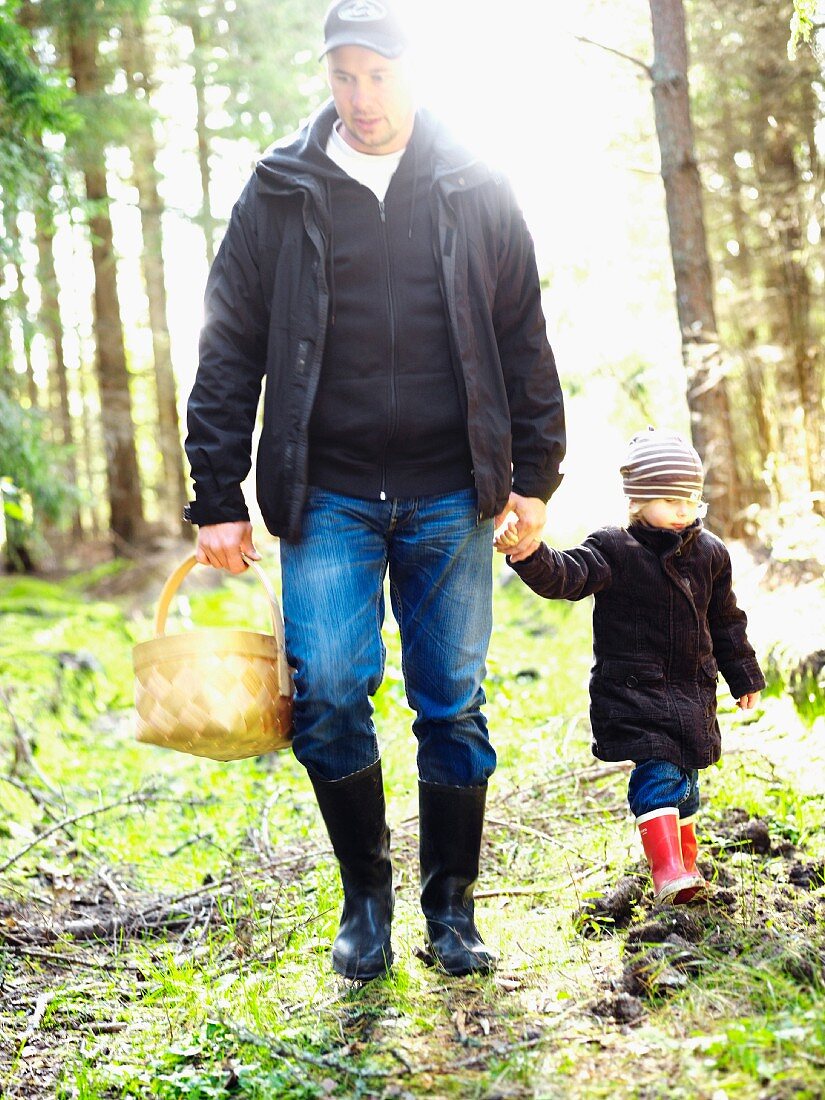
(173, 583)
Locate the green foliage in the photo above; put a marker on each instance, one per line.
(265, 56)
(802, 24)
(31, 103)
(65, 658)
(31, 491)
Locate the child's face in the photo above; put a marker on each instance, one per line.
(670, 513)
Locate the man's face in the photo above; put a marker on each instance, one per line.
(373, 96)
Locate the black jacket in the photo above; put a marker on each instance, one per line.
(665, 620)
(267, 310)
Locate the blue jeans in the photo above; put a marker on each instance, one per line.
(657, 784)
(440, 566)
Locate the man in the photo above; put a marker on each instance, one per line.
(384, 283)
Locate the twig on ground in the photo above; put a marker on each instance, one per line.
(272, 950)
(36, 797)
(22, 745)
(19, 948)
(112, 887)
(188, 843)
(539, 834)
(288, 1051)
(578, 776)
(307, 859)
(36, 1018)
(139, 799)
(345, 1067)
(270, 802)
(515, 890)
(133, 922)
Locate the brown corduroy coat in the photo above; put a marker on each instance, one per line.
(665, 621)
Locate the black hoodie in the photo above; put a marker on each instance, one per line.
(389, 415)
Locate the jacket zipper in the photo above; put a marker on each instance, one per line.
(293, 462)
(393, 392)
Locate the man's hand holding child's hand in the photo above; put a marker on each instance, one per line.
(518, 528)
(749, 701)
(506, 536)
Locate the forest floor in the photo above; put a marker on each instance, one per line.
(165, 921)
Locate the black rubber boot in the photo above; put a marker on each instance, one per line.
(353, 812)
(451, 820)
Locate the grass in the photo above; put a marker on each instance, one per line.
(236, 998)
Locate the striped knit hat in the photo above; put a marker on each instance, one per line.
(662, 464)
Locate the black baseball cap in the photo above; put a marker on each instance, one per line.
(368, 23)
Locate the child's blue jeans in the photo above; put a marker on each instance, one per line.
(657, 784)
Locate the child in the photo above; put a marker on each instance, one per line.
(665, 618)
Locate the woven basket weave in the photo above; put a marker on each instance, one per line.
(220, 693)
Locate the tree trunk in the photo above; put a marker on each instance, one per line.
(172, 493)
(5, 334)
(792, 282)
(701, 353)
(126, 509)
(88, 449)
(20, 305)
(207, 219)
(762, 436)
(52, 327)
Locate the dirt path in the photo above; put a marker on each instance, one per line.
(73, 976)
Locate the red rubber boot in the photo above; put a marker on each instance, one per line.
(689, 845)
(672, 883)
(687, 834)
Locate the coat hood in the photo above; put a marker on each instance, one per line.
(300, 160)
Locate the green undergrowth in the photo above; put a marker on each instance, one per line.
(231, 995)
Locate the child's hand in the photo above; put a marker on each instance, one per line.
(749, 701)
(506, 536)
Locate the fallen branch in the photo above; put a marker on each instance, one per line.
(288, 1051)
(171, 919)
(36, 1018)
(19, 948)
(345, 1066)
(518, 827)
(264, 834)
(188, 844)
(130, 800)
(37, 798)
(514, 891)
(575, 777)
(22, 745)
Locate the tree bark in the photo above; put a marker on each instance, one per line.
(125, 504)
(172, 492)
(791, 280)
(20, 304)
(763, 436)
(52, 327)
(207, 218)
(701, 352)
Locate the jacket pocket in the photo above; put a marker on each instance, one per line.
(710, 668)
(707, 686)
(630, 688)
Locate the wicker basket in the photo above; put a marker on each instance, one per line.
(221, 693)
